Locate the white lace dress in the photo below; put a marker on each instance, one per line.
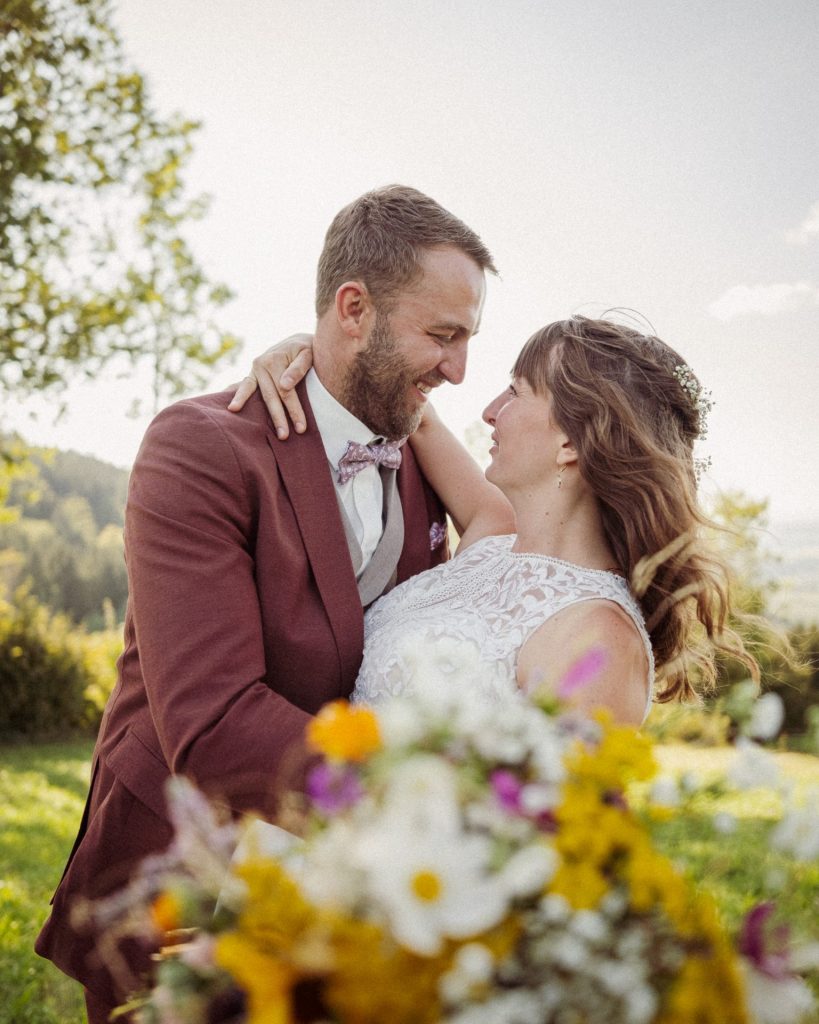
(471, 616)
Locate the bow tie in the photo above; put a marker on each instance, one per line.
(359, 456)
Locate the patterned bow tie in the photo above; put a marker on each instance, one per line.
(359, 456)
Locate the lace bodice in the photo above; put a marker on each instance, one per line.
(470, 616)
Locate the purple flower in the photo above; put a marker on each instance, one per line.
(616, 798)
(584, 671)
(507, 788)
(333, 788)
(437, 535)
(766, 947)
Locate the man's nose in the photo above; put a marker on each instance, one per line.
(453, 364)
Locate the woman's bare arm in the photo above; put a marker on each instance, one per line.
(604, 636)
(477, 507)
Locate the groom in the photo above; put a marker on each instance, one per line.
(250, 560)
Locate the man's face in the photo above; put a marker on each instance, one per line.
(418, 345)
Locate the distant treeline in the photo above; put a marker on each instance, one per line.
(65, 540)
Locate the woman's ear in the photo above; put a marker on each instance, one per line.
(355, 310)
(566, 453)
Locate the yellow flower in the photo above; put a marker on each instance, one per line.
(622, 755)
(166, 912)
(265, 979)
(707, 989)
(276, 916)
(374, 980)
(580, 884)
(344, 732)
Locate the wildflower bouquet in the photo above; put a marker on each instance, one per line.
(460, 863)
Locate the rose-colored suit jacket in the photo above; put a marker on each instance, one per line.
(243, 619)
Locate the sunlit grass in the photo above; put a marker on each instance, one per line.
(801, 768)
(42, 791)
(738, 867)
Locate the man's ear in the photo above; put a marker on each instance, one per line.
(355, 311)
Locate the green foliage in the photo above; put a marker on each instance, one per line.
(744, 523)
(53, 679)
(94, 264)
(799, 687)
(68, 474)
(704, 725)
(15, 467)
(789, 662)
(42, 791)
(71, 572)
(66, 543)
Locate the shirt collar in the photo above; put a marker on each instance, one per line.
(336, 425)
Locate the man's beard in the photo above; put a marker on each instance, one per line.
(376, 387)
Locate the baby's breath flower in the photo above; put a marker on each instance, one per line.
(699, 396)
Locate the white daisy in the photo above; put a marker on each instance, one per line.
(432, 883)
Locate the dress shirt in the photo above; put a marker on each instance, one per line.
(362, 496)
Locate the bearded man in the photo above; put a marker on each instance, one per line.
(250, 560)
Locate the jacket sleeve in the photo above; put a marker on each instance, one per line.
(188, 536)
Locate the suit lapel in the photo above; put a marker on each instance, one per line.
(302, 463)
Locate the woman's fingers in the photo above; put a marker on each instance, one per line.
(276, 373)
(244, 389)
(298, 368)
(276, 397)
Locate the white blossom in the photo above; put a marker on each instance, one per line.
(798, 831)
(400, 723)
(590, 925)
(641, 1005)
(432, 883)
(773, 1001)
(767, 717)
(724, 823)
(665, 792)
(475, 961)
(620, 976)
(528, 869)
(555, 908)
(752, 767)
(569, 952)
(537, 798)
(515, 1007)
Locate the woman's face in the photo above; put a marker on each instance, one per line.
(526, 439)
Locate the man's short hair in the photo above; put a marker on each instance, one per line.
(379, 239)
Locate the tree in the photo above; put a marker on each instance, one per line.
(789, 662)
(15, 465)
(94, 265)
(744, 524)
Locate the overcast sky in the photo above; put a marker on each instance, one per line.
(657, 155)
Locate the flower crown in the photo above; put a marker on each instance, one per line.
(700, 398)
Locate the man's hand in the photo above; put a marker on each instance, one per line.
(276, 373)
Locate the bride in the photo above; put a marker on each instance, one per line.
(592, 446)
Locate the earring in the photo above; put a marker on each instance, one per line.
(560, 477)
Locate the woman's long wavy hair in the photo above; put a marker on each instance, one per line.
(616, 396)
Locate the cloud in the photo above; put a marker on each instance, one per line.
(764, 299)
(808, 229)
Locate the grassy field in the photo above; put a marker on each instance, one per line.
(42, 788)
(42, 792)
